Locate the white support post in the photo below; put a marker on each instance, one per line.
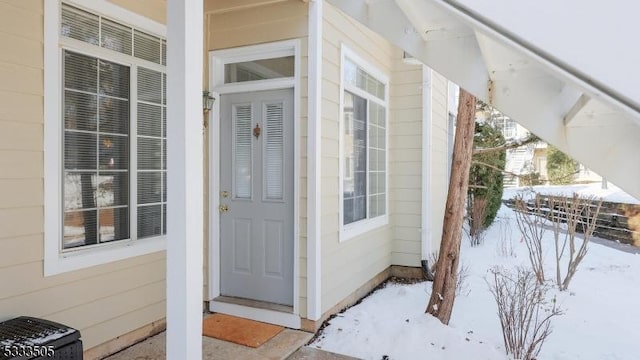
(185, 179)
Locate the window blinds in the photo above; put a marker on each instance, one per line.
(273, 154)
(151, 144)
(96, 150)
(96, 30)
(242, 150)
(96, 135)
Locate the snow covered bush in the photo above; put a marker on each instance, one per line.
(523, 308)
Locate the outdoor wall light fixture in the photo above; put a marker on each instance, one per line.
(207, 101)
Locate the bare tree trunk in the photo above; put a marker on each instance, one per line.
(444, 285)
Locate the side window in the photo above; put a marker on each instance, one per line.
(364, 144)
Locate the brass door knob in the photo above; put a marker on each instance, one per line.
(223, 208)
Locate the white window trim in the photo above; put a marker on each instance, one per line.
(355, 229)
(55, 261)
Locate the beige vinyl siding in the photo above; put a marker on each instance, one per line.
(405, 163)
(349, 264)
(439, 156)
(103, 302)
(230, 24)
(155, 10)
(238, 23)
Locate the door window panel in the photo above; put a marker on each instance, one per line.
(273, 154)
(242, 148)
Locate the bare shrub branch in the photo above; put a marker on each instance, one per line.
(570, 216)
(525, 313)
(477, 211)
(505, 239)
(531, 222)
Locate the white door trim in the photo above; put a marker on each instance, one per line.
(217, 59)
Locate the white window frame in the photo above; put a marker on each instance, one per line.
(56, 261)
(354, 229)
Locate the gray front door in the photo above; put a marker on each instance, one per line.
(256, 196)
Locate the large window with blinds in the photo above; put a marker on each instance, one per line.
(363, 143)
(113, 131)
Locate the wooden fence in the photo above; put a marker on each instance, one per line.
(616, 221)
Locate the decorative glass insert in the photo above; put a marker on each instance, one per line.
(262, 69)
(273, 153)
(96, 150)
(242, 151)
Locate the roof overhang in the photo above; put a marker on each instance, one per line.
(591, 113)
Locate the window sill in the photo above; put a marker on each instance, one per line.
(350, 231)
(58, 263)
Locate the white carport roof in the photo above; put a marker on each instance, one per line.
(569, 71)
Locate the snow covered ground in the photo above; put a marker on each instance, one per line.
(612, 193)
(601, 312)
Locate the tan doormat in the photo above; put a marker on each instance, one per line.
(238, 330)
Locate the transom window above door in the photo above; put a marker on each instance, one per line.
(261, 69)
(254, 68)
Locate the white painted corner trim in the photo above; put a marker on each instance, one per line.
(55, 261)
(217, 87)
(427, 223)
(314, 158)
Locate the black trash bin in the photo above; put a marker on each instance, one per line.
(27, 338)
